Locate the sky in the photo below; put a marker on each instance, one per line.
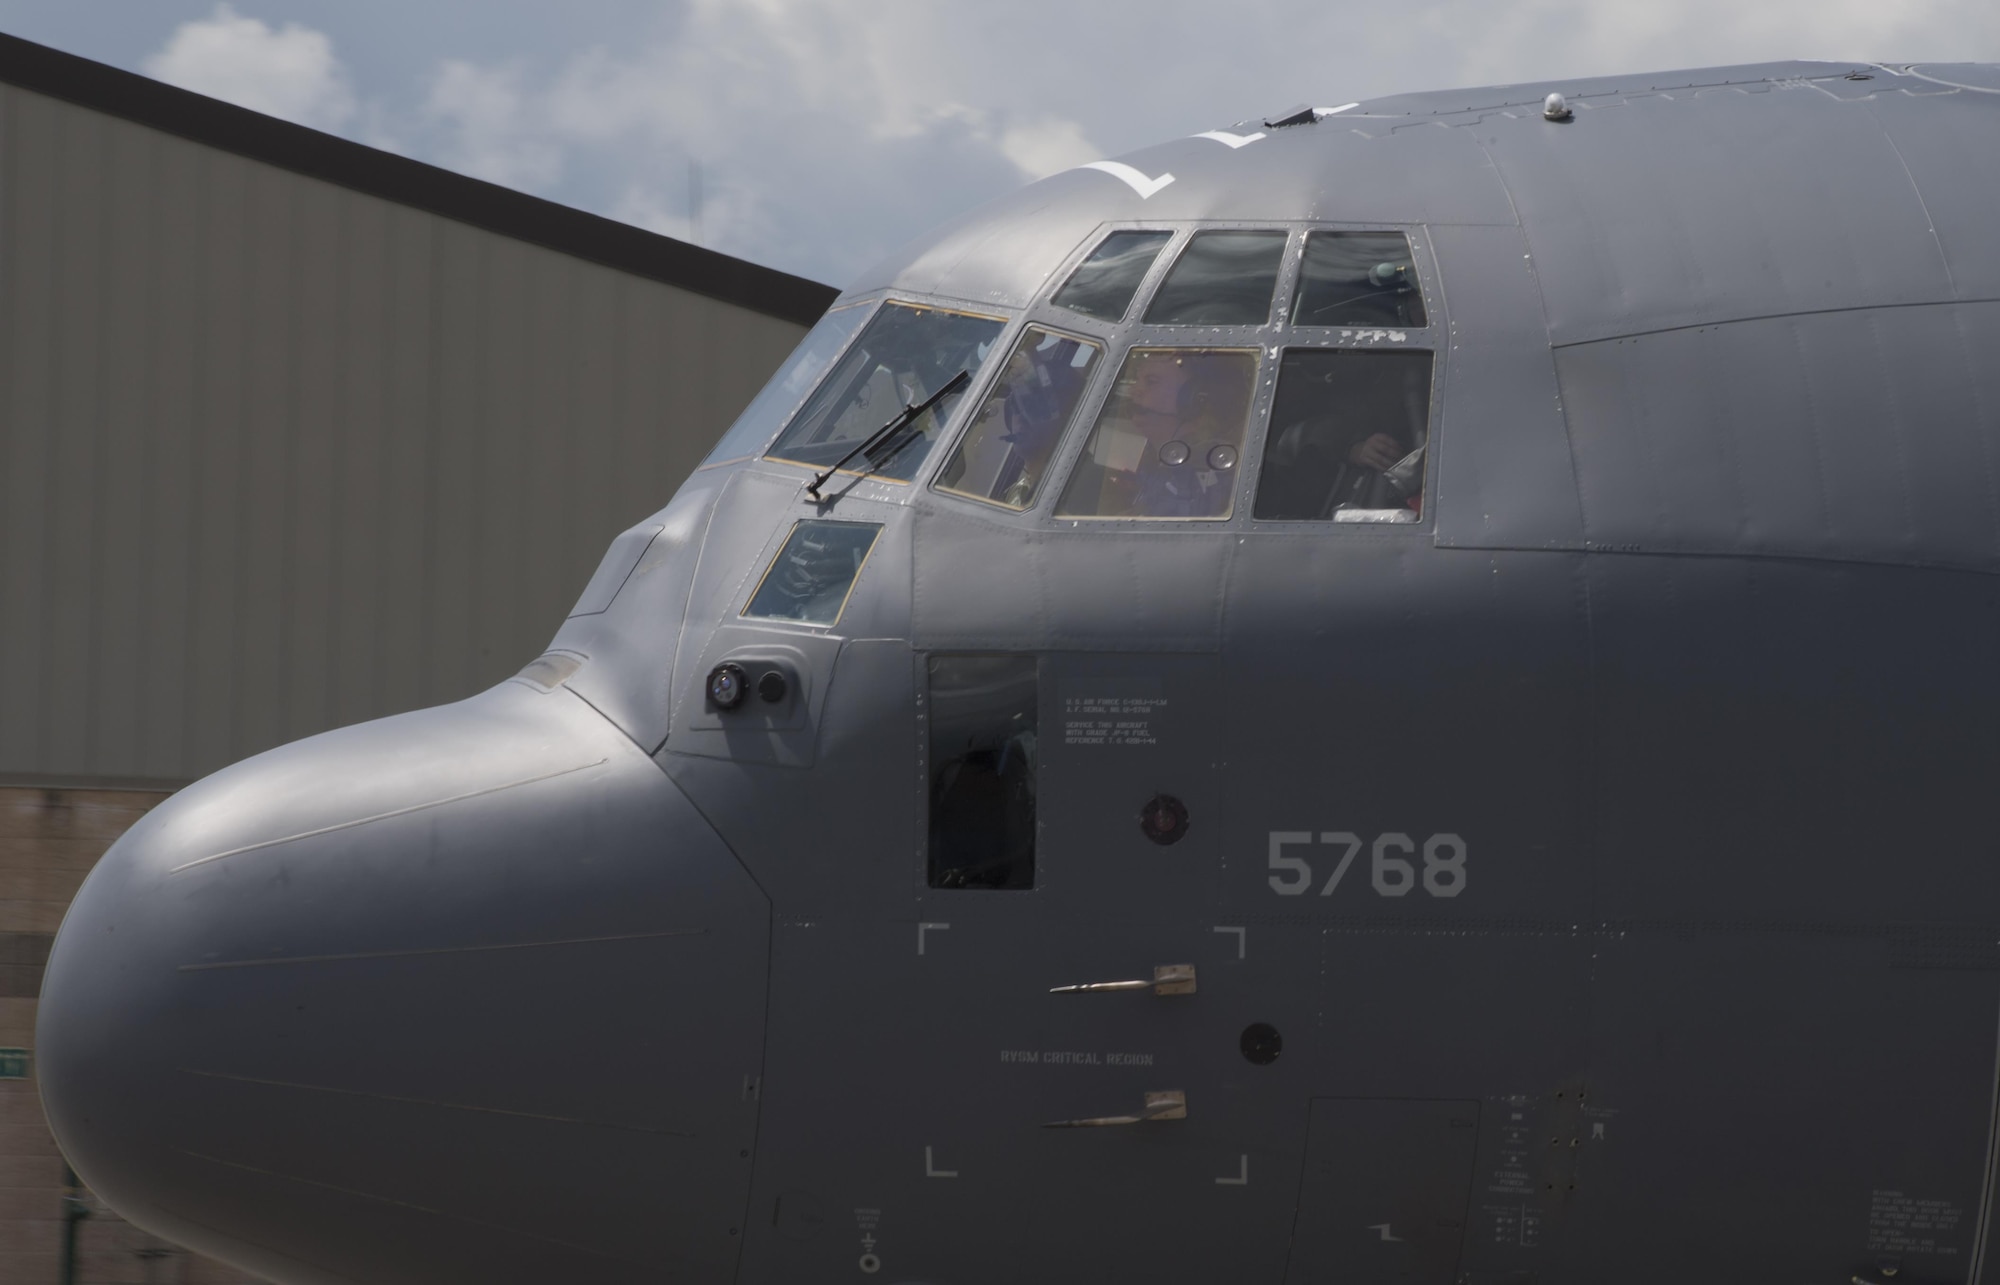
(817, 135)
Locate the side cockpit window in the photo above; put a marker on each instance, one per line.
(1102, 285)
(1169, 437)
(758, 424)
(1004, 454)
(903, 356)
(1223, 278)
(1348, 437)
(1358, 279)
(982, 713)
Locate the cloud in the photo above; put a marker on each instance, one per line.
(289, 72)
(827, 132)
(489, 128)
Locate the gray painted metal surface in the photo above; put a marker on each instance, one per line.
(1589, 879)
(277, 456)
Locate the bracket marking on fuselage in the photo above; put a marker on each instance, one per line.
(932, 1171)
(1242, 1178)
(1134, 179)
(1242, 938)
(924, 928)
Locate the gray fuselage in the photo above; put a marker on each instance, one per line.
(1581, 853)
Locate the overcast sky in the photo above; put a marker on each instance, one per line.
(826, 132)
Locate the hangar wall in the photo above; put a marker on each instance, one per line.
(277, 456)
(293, 434)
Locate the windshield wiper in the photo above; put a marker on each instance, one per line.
(882, 444)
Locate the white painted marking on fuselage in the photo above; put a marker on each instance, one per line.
(1242, 938)
(932, 1171)
(1242, 1178)
(1384, 1229)
(1230, 140)
(1134, 179)
(1597, 1132)
(924, 928)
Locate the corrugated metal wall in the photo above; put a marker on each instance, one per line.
(276, 456)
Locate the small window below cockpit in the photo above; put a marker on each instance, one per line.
(1103, 285)
(1358, 279)
(982, 771)
(1003, 455)
(1221, 279)
(903, 356)
(1167, 442)
(811, 577)
(1349, 434)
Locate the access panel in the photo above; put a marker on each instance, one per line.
(1383, 1197)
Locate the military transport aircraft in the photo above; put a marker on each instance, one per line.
(1403, 691)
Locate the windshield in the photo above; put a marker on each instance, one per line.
(759, 421)
(906, 353)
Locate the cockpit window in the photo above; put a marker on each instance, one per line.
(906, 353)
(1006, 451)
(1348, 437)
(1358, 279)
(1221, 279)
(1167, 442)
(759, 421)
(812, 575)
(1103, 284)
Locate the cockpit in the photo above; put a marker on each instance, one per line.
(1171, 374)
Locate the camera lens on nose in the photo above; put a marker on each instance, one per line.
(726, 685)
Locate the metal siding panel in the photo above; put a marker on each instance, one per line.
(452, 538)
(358, 511)
(120, 626)
(547, 454)
(1859, 435)
(221, 526)
(271, 353)
(409, 330)
(278, 456)
(502, 510)
(176, 316)
(594, 481)
(321, 331)
(25, 438)
(1750, 204)
(75, 533)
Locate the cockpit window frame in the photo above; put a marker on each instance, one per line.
(1272, 338)
(949, 427)
(866, 304)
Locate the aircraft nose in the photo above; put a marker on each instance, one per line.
(472, 994)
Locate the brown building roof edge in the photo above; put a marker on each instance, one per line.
(409, 182)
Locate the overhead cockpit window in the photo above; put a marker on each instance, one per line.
(759, 422)
(1103, 284)
(1358, 279)
(1349, 433)
(1169, 437)
(1004, 454)
(811, 577)
(1221, 279)
(906, 353)
(982, 771)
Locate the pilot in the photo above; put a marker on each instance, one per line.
(1040, 387)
